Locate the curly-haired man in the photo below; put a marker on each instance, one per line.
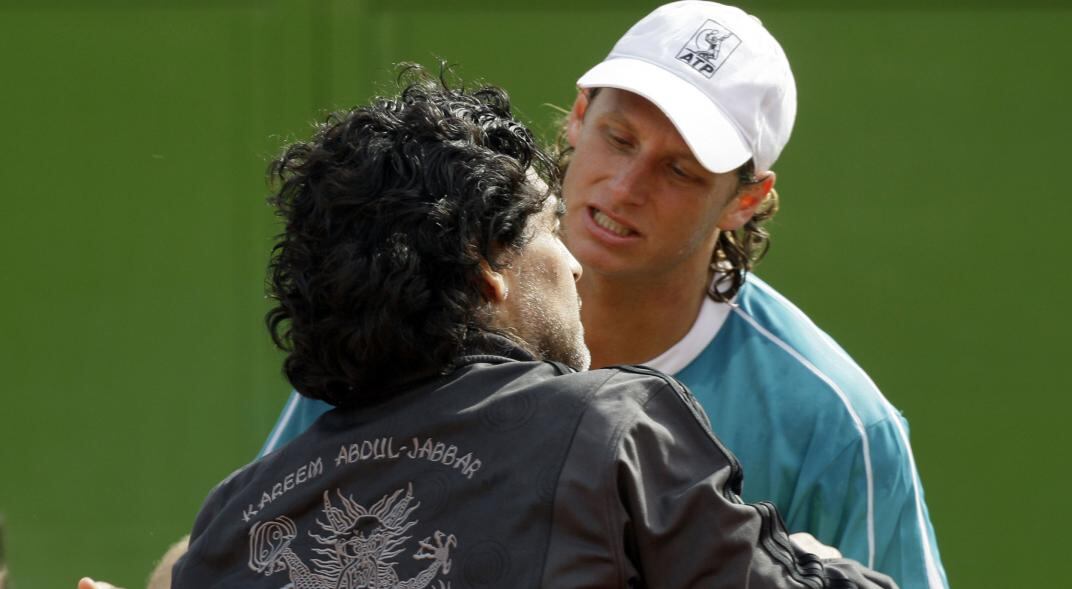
(422, 289)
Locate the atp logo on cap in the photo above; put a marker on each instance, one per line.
(710, 46)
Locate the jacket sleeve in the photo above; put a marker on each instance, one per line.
(207, 557)
(684, 523)
(892, 530)
(296, 417)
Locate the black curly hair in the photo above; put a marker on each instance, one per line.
(389, 210)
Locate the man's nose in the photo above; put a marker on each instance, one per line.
(574, 265)
(628, 184)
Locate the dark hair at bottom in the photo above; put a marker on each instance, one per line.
(737, 252)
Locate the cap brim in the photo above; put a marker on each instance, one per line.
(712, 137)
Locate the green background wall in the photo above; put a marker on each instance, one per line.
(923, 225)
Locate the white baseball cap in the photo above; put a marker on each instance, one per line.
(716, 73)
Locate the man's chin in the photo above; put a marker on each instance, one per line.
(556, 342)
(581, 362)
(575, 356)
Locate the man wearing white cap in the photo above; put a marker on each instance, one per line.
(674, 135)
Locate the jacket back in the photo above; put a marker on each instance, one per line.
(503, 473)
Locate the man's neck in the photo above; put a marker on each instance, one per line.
(633, 321)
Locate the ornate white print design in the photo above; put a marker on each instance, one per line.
(359, 546)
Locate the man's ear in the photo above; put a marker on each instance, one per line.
(746, 202)
(576, 117)
(492, 284)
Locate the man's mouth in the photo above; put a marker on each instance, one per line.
(610, 224)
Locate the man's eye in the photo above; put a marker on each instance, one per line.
(617, 140)
(680, 172)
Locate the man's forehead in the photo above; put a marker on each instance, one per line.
(639, 113)
(533, 179)
(553, 204)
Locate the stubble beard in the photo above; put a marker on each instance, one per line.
(558, 337)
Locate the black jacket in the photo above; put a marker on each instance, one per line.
(505, 473)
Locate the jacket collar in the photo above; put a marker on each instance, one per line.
(493, 348)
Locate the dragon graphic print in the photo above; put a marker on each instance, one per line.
(358, 546)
